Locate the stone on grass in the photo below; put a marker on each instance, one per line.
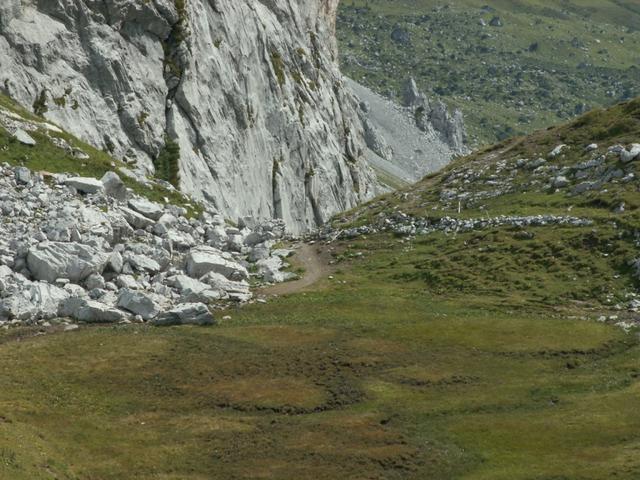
(627, 155)
(24, 138)
(185, 314)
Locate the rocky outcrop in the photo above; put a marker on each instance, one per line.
(435, 117)
(249, 90)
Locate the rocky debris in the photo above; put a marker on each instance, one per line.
(411, 140)
(578, 173)
(186, 314)
(90, 257)
(435, 116)
(404, 225)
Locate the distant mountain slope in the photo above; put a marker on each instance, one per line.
(397, 147)
(511, 66)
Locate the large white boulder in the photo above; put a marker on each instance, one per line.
(147, 208)
(90, 311)
(17, 307)
(627, 155)
(135, 219)
(46, 299)
(23, 137)
(114, 186)
(194, 291)
(85, 184)
(23, 175)
(238, 291)
(202, 260)
(53, 260)
(270, 270)
(138, 303)
(142, 263)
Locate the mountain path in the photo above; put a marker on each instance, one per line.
(314, 261)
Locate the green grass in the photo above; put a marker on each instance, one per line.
(369, 375)
(503, 88)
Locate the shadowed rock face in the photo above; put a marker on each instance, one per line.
(249, 89)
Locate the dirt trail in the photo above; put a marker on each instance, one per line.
(315, 262)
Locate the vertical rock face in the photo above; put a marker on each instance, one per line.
(249, 89)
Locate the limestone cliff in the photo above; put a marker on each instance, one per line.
(249, 90)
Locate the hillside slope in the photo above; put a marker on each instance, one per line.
(512, 67)
(551, 218)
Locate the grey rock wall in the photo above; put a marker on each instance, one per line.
(249, 89)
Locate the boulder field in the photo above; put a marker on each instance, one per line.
(81, 249)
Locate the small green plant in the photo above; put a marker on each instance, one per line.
(142, 118)
(168, 163)
(278, 67)
(40, 104)
(60, 101)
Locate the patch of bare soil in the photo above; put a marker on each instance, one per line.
(315, 262)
